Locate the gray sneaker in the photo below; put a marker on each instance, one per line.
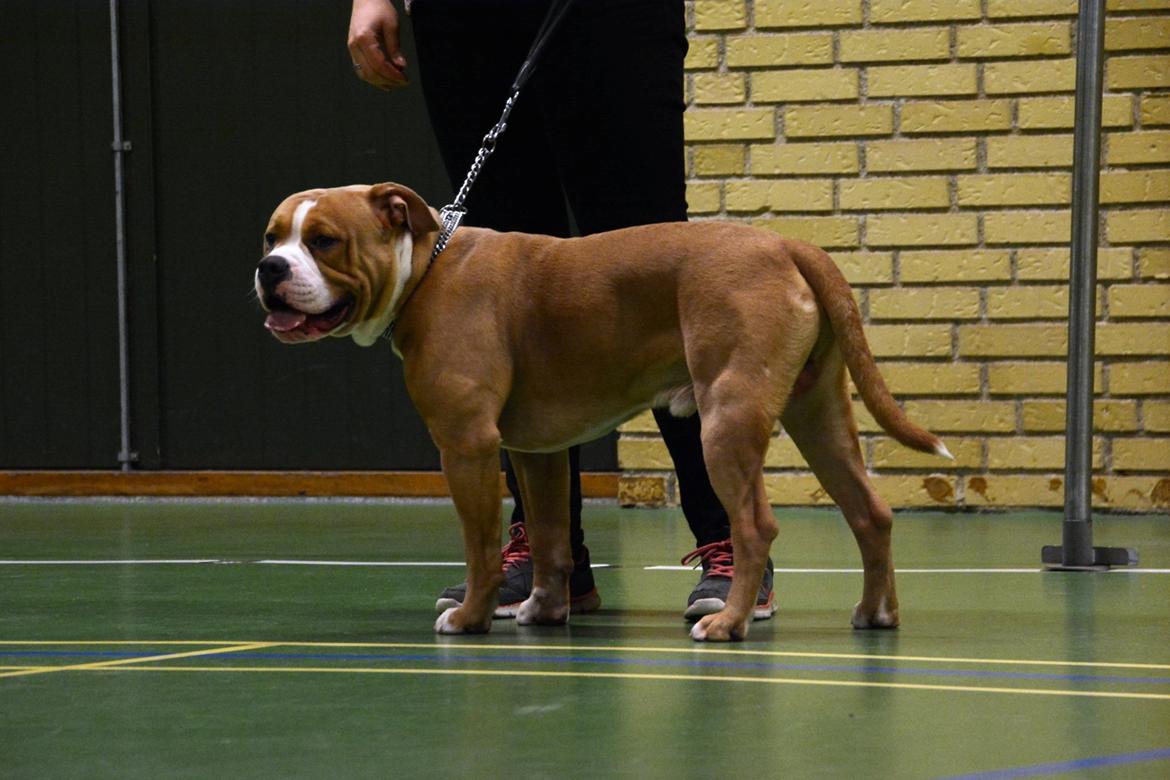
(710, 595)
(517, 587)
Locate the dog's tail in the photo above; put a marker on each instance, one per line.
(836, 298)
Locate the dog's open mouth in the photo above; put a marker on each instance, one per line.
(289, 324)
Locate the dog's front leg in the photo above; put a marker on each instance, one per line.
(474, 481)
(544, 489)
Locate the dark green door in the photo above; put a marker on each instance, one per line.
(228, 108)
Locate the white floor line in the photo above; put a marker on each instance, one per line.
(1033, 570)
(149, 562)
(280, 562)
(229, 562)
(277, 562)
(455, 564)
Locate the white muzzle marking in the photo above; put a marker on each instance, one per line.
(306, 289)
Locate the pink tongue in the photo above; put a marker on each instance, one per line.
(285, 320)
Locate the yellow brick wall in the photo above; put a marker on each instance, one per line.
(928, 146)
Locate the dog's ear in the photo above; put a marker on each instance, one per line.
(395, 206)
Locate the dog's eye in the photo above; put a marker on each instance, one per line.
(322, 243)
(269, 240)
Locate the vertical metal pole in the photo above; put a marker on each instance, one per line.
(1078, 552)
(1078, 459)
(120, 147)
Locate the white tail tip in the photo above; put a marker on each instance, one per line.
(941, 449)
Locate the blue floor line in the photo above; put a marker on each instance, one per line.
(1058, 767)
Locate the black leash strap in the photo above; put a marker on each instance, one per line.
(556, 13)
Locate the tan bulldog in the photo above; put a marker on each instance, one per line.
(534, 344)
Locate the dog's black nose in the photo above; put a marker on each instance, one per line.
(272, 270)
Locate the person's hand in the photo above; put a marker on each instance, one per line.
(373, 44)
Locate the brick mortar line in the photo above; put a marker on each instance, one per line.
(958, 473)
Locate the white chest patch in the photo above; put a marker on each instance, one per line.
(403, 266)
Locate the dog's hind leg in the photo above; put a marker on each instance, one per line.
(820, 421)
(742, 378)
(737, 426)
(544, 489)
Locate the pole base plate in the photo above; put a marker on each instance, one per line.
(1104, 559)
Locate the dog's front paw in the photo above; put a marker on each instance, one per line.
(543, 609)
(881, 616)
(453, 621)
(719, 628)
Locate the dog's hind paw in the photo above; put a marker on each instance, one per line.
(880, 618)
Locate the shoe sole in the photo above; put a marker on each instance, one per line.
(590, 602)
(703, 607)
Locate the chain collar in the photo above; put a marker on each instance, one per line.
(451, 217)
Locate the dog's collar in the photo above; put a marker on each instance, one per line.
(450, 216)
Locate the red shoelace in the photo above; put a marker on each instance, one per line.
(716, 555)
(516, 551)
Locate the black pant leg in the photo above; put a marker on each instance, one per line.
(611, 94)
(615, 112)
(469, 52)
(703, 510)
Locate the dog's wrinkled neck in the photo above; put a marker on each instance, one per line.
(412, 258)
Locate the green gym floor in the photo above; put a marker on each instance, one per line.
(293, 639)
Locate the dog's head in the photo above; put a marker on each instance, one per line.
(338, 262)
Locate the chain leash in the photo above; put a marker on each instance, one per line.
(452, 214)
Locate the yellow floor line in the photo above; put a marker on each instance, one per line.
(124, 662)
(690, 649)
(712, 649)
(658, 677)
